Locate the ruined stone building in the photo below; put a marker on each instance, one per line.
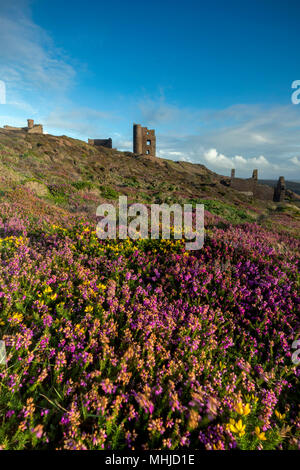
(144, 140)
(31, 128)
(246, 186)
(249, 186)
(279, 190)
(101, 142)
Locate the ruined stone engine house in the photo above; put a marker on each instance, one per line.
(251, 187)
(31, 128)
(101, 142)
(144, 140)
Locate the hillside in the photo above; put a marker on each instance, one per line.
(141, 344)
(60, 176)
(68, 167)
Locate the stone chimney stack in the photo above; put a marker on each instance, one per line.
(30, 123)
(137, 139)
(255, 174)
(232, 173)
(279, 190)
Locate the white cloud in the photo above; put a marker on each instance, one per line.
(295, 161)
(174, 154)
(242, 136)
(28, 58)
(261, 139)
(217, 159)
(121, 144)
(240, 160)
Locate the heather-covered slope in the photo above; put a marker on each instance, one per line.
(142, 344)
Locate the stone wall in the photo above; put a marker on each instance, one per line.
(31, 128)
(101, 142)
(36, 129)
(249, 186)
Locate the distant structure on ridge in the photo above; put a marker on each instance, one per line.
(251, 187)
(144, 140)
(246, 186)
(144, 143)
(31, 128)
(279, 190)
(101, 142)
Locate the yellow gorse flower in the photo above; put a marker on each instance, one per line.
(251, 398)
(101, 286)
(279, 415)
(16, 318)
(236, 427)
(79, 328)
(260, 435)
(243, 410)
(218, 446)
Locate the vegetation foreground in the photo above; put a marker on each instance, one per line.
(143, 345)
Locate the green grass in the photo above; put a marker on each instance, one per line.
(82, 185)
(229, 212)
(132, 182)
(109, 193)
(32, 179)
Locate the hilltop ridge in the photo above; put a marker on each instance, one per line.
(69, 176)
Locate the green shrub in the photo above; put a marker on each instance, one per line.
(132, 181)
(109, 193)
(82, 185)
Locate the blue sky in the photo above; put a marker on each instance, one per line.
(213, 78)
